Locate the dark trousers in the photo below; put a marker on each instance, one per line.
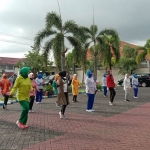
(105, 90)
(39, 95)
(112, 94)
(63, 108)
(74, 98)
(6, 99)
(32, 98)
(135, 92)
(90, 101)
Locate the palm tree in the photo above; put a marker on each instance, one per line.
(93, 37)
(110, 43)
(145, 51)
(59, 33)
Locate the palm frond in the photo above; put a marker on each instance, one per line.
(77, 46)
(57, 49)
(46, 50)
(93, 30)
(53, 20)
(141, 56)
(42, 35)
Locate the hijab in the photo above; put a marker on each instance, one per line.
(134, 75)
(24, 72)
(39, 76)
(30, 76)
(89, 74)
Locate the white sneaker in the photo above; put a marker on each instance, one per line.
(30, 111)
(64, 117)
(88, 110)
(92, 110)
(135, 97)
(110, 103)
(37, 102)
(61, 116)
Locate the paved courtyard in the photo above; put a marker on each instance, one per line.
(125, 126)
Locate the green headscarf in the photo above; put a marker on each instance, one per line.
(24, 72)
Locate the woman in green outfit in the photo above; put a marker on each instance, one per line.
(23, 87)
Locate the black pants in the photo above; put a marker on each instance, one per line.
(6, 99)
(74, 98)
(63, 108)
(32, 98)
(112, 94)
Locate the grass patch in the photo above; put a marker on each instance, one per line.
(11, 98)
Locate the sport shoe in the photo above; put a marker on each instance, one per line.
(56, 104)
(135, 97)
(88, 110)
(20, 125)
(30, 111)
(61, 116)
(127, 100)
(110, 103)
(92, 110)
(64, 117)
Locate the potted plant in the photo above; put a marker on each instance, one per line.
(99, 86)
(48, 90)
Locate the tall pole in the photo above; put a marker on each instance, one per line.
(95, 60)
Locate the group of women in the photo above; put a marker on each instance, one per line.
(108, 84)
(28, 89)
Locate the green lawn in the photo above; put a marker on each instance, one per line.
(12, 98)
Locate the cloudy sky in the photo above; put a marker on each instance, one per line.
(20, 20)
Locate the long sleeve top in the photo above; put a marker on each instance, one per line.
(104, 81)
(110, 81)
(75, 83)
(34, 86)
(23, 87)
(127, 84)
(39, 83)
(90, 85)
(135, 82)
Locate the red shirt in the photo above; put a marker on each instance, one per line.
(110, 81)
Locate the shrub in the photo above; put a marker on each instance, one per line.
(99, 86)
(69, 89)
(48, 88)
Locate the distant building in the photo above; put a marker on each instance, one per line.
(7, 64)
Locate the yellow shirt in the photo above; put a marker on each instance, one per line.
(23, 87)
(75, 83)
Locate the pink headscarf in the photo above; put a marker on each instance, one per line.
(30, 75)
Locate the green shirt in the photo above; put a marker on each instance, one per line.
(23, 87)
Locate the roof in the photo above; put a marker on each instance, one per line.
(10, 61)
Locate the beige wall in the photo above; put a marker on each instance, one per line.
(114, 71)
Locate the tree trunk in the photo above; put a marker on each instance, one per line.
(74, 68)
(82, 77)
(110, 67)
(62, 61)
(95, 62)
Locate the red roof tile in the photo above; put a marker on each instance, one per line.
(9, 61)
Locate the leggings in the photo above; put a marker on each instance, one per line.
(32, 98)
(6, 99)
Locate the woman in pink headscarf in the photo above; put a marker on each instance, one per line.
(32, 93)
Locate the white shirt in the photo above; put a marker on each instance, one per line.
(90, 85)
(127, 84)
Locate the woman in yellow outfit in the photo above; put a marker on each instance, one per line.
(75, 83)
(23, 87)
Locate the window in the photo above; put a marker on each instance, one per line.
(10, 67)
(3, 67)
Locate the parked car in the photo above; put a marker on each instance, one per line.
(49, 79)
(144, 80)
